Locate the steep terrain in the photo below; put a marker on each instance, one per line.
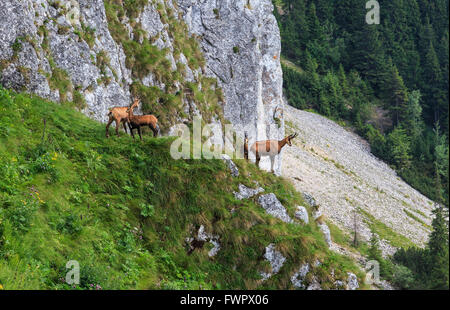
(217, 59)
(133, 217)
(336, 167)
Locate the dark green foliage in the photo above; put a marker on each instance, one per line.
(430, 266)
(335, 63)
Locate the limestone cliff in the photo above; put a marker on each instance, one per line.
(218, 59)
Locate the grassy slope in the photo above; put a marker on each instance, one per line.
(76, 196)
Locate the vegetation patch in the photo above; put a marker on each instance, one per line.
(123, 210)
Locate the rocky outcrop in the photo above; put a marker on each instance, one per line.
(42, 51)
(298, 278)
(326, 233)
(231, 165)
(241, 43)
(79, 50)
(352, 282)
(273, 206)
(201, 238)
(276, 260)
(302, 214)
(246, 192)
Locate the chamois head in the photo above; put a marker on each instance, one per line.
(289, 138)
(134, 105)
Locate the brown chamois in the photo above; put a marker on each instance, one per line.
(137, 121)
(270, 148)
(119, 115)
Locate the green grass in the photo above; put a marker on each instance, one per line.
(384, 231)
(414, 217)
(124, 208)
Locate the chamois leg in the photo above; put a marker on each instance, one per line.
(139, 131)
(155, 130)
(258, 158)
(124, 126)
(272, 160)
(107, 126)
(117, 127)
(131, 130)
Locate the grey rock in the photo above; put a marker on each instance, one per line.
(273, 206)
(314, 286)
(246, 192)
(326, 233)
(242, 50)
(352, 281)
(276, 260)
(309, 199)
(298, 278)
(302, 214)
(317, 214)
(206, 237)
(340, 285)
(231, 165)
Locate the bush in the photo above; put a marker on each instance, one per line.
(70, 224)
(402, 277)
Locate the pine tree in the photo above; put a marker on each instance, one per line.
(413, 121)
(395, 94)
(432, 75)
(438, 251)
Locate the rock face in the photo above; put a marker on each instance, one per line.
(38, 39)
(240, 40)
(201, 238)
(276, 260)
(273, 206)
(298, 278)
(245, 192)
(302, 214)
(241, 43)
(231, 165)
(326, 233)
(352, 282)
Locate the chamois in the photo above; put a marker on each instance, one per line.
(137, 121)
(270, 148)
(119, 115)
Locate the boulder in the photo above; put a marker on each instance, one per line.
(273, 206)
(276, 260)
(302, 214)
(231, 165)
(246, 192)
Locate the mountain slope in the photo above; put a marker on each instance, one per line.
(336, 167)
(125, 210)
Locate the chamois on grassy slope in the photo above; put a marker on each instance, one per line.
(119, 115)
(270, 148)
(137, 121)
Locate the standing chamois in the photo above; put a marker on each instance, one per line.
(137, 121)
(119, 115)
(269, 148)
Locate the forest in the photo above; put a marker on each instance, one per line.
(386, 81)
